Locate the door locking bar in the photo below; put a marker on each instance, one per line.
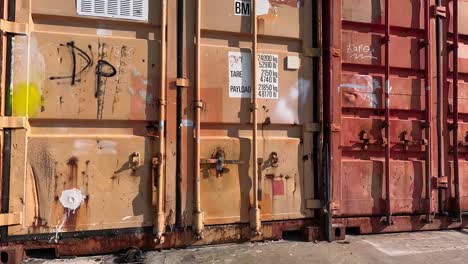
(219, 159)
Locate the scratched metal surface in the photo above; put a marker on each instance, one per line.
(89, 88)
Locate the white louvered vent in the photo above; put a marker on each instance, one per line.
(126, 9)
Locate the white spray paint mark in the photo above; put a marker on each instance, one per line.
(59, 227)
(367, 84)
(72, 199)
(286, 110)
(294, 93)
(126, 218)
(103, 32)
(352, 86)
(145, 96)
(283, 112)
(360, 51)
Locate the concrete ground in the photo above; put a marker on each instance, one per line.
(425, 248)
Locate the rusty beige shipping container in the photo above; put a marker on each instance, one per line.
(131, 123)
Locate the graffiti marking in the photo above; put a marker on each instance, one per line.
(76, 75)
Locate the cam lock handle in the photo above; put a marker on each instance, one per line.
(366, 141)
(219, 160)
(405, 142)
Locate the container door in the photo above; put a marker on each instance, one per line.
(368, 187)
(284, 110)
(86, 78)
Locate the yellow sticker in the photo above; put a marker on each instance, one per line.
(26, 100)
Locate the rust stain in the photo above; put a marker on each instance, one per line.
(266, 204)
(212, 110)
(73, 171)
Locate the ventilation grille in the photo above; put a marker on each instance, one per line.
(126, 9)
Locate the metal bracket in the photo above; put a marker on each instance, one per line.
(198, 104)
(441, 182)
(312, 52)
(440, 11)
(335, 128)
(11, 219)
(14, 122)
(312, 127)
(182, 82)
(13, 27)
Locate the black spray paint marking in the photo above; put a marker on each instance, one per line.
(76, 75)
(103, 69)
(106, 70)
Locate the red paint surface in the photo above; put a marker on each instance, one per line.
(364, 183)
(278, 187)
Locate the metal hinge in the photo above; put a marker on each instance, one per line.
(440, 11)
(13, 27)
(313, 204)
(182, 82)
(313, 127)
(312, 52)
(14, 122)
(11, 219)
(199, 104)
